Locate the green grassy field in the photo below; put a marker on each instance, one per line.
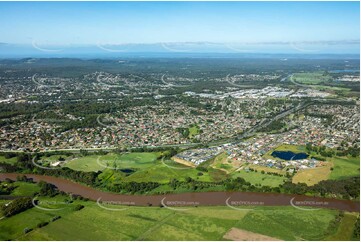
(127, 160)
(163, 174)
(21, 188)
(9, 161)
(345, 229)
(267, 169)
(222, 162)
(288, 223)
(344, 167)
(320, 82)
(311, 78)
(193, 131)
(86, 163)
(259, 178)
(147, 168)
(25, 189)
(155, 223)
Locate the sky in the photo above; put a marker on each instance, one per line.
(89, 23)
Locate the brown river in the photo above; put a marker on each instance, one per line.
(231, 199)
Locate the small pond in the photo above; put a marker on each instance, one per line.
(127, 170)
(289, 155)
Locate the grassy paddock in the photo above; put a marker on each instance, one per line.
(155, 223)
(311, 78)
(313, 176)
(25, 189)
(344, 167)
(287, 223)
(9, 161)
(267, 169)
(128, 160)
(344, 231)
(259, 178)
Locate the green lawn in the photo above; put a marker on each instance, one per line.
(344, 167)
(259, 178)
(155, 223)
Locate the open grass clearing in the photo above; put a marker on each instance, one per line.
(267, 169)
(155, 223)
(288, 223)
(344, 167)
(163, 174)
(222, 162)
(193, 131)
(11, 160)
(25, 189)
(311, 78)
(135, 160)
(313, 176)
(344, 231)
(259, 178)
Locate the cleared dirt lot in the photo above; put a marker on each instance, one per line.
(240, 234)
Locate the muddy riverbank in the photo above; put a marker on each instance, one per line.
(232, 199)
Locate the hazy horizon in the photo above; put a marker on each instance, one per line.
(114, 28)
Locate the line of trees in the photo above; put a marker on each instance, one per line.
(17, 206)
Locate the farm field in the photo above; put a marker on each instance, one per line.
(288, 223)
(155, 223)
(345, 229)
(12, 227)
(344, 167)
